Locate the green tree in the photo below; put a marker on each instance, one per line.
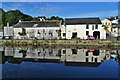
(23, 32)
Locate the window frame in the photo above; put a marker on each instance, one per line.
(87, 33)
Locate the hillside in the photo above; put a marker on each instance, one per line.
(13, 16)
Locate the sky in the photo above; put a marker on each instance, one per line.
(65, 9)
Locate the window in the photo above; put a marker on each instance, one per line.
(74, 51)
(86, 59)
(106, 23)
(87, 32)
(64, 34)
(95, 59)
(96, 26)
(87, 26)
(86, 53)
(92, 27)
(64, 51)
(51, 34)
(114, 30)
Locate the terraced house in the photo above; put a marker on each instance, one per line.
(81, 28)
(36, 30)
(73, 28)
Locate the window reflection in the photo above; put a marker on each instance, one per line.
(58, 55)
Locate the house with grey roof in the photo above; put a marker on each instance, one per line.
(37, 30)
(80, 28)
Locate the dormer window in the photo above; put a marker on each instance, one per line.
(35, 25)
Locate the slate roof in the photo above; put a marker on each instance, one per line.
(87, 64)
(74, 21)
(37, 24)
(39, 60)
(113, 18)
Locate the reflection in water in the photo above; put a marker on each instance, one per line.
(70, 57)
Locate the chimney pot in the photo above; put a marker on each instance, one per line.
(8, 24)
(19, 20)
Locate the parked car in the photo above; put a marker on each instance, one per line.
(90, 50)
(90, 37)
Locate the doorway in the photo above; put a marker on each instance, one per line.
(96, 34)
(74, 35)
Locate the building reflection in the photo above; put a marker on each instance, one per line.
(70, 57)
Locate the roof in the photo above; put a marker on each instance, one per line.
(113, 18)
(105, 20)
(74, 21)
(37, 24)
(39, 60)
(87, 64)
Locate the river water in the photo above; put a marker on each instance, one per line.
(48, 62)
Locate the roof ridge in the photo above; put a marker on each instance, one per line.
(84, 18)
(43, 21)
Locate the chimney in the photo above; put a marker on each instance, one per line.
(19, 20)
(7, 24)
(116, 18)
(42, 18)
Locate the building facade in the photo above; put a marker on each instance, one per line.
(107, 24)
(73, 28)
(8, 32)
(80, 28)
(37, 30)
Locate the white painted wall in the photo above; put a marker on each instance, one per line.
(33, 32)
(81, 56)
(63, 30)
(8, 31)
(81, 31)
(115, 21)
(115, 31)
(1, 34)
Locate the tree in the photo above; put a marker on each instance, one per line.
(35, 19)
(23, 32)
(13, 16)
(59, 33)
(56, 18)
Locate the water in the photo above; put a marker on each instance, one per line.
(29, 62)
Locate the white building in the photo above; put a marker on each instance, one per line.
(80, 28)
(1, 35)
(8, 31)
(115, 29)
(37, 30)
(83, 55)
